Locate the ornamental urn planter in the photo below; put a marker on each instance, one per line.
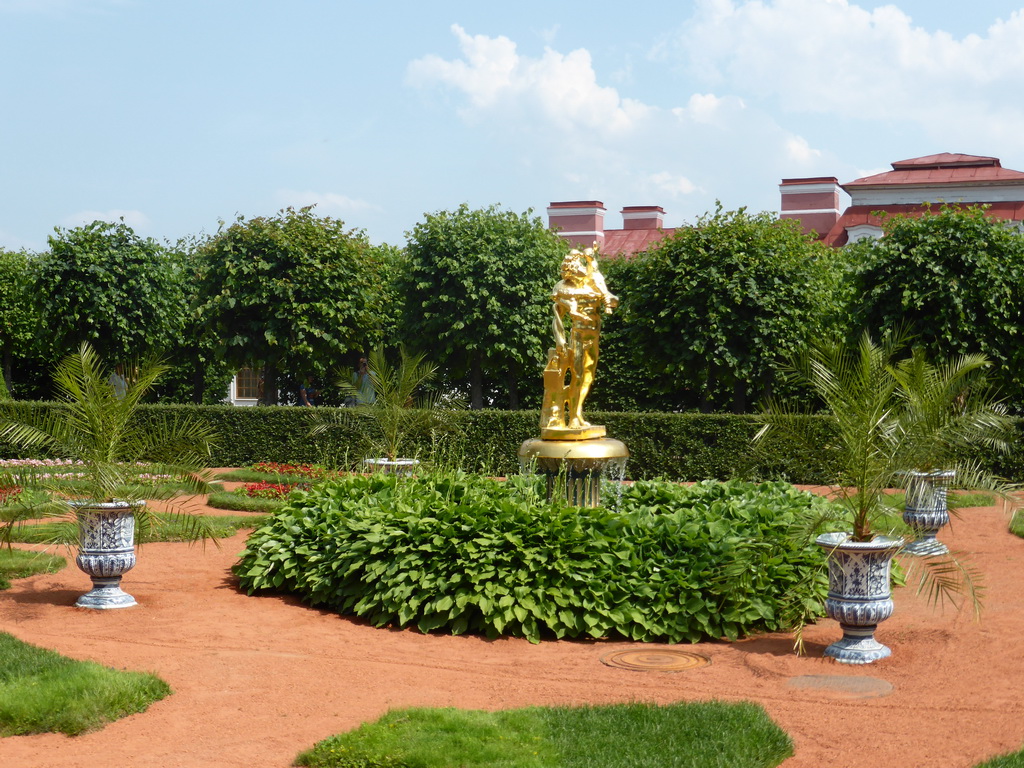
(926, 510)
(859, 594)
(106, 536)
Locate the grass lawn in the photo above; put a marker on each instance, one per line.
(168, 529)
(1013, 760)
(242, 503)
(1017, 524)
(44, 692)
(19, 564)
(687, 735)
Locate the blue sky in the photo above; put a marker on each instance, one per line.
(176, 115)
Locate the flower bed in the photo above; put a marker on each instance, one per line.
(269, 490)
(312, 471)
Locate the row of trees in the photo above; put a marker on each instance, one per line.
(708, 318)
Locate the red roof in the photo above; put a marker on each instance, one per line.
(945, 168)
(627, 242)
(857, 215)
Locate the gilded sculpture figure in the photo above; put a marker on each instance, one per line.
(578, 301)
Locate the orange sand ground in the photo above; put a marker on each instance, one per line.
(258, 679)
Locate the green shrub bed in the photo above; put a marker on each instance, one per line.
(460, 553)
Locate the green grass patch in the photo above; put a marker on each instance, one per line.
(242, 503)
(252, 476)
(20, 564)
(44, 692)
(166, 528)
(1011, 760)
(688, 735)
(465, 554)
(1017, 524)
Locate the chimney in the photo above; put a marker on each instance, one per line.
(581, 222)
(814, 202)
(643, 217)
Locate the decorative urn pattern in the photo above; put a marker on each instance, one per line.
(106, 551)
(859, 594)
(926, 510)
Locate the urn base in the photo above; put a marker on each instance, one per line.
(105, 595)
(858, 646)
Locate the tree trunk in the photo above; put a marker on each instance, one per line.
(710, 380)
(476, 382)
(268, 395)
(198, 380)
(8, 362)
(739, 397)
(513, 391)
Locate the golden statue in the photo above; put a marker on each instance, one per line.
(580, 296)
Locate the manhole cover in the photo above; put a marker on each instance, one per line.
(842, 686)
(651, 660)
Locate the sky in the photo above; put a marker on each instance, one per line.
(180, 115)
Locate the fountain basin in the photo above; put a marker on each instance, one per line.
(574, 468)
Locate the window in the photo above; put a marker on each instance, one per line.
(247, 385)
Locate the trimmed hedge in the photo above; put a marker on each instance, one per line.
(676, 446)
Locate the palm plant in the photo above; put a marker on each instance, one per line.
(120, 457)
(891, 415)
(403, 405)
(949, 410)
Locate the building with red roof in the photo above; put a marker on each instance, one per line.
(909, 188)
(581, 222)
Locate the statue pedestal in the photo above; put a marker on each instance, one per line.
(567, 433)
(574, 467)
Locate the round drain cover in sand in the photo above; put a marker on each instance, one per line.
(655, 660)
(843, 686)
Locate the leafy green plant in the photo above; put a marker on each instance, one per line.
(475, 285)
(955, 277)
(103, 284)
(44, 692)
(284, 293)
(119, 457)
(638, 735)
(403, 404)
(460, 553)
(712, 309)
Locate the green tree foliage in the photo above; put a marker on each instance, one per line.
(477, 289)
(196, 373)
(290, 294)
(715, 308)
(955, 279)
(103, 284)
(17, 316)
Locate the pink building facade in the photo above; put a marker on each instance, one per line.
(911, 187)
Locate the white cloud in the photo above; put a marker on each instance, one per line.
(671, 184)
(552, 110)
(837, 58)
(327, 203)
(800, 152)
(137, 220)
(560, 88)
(710, 109)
